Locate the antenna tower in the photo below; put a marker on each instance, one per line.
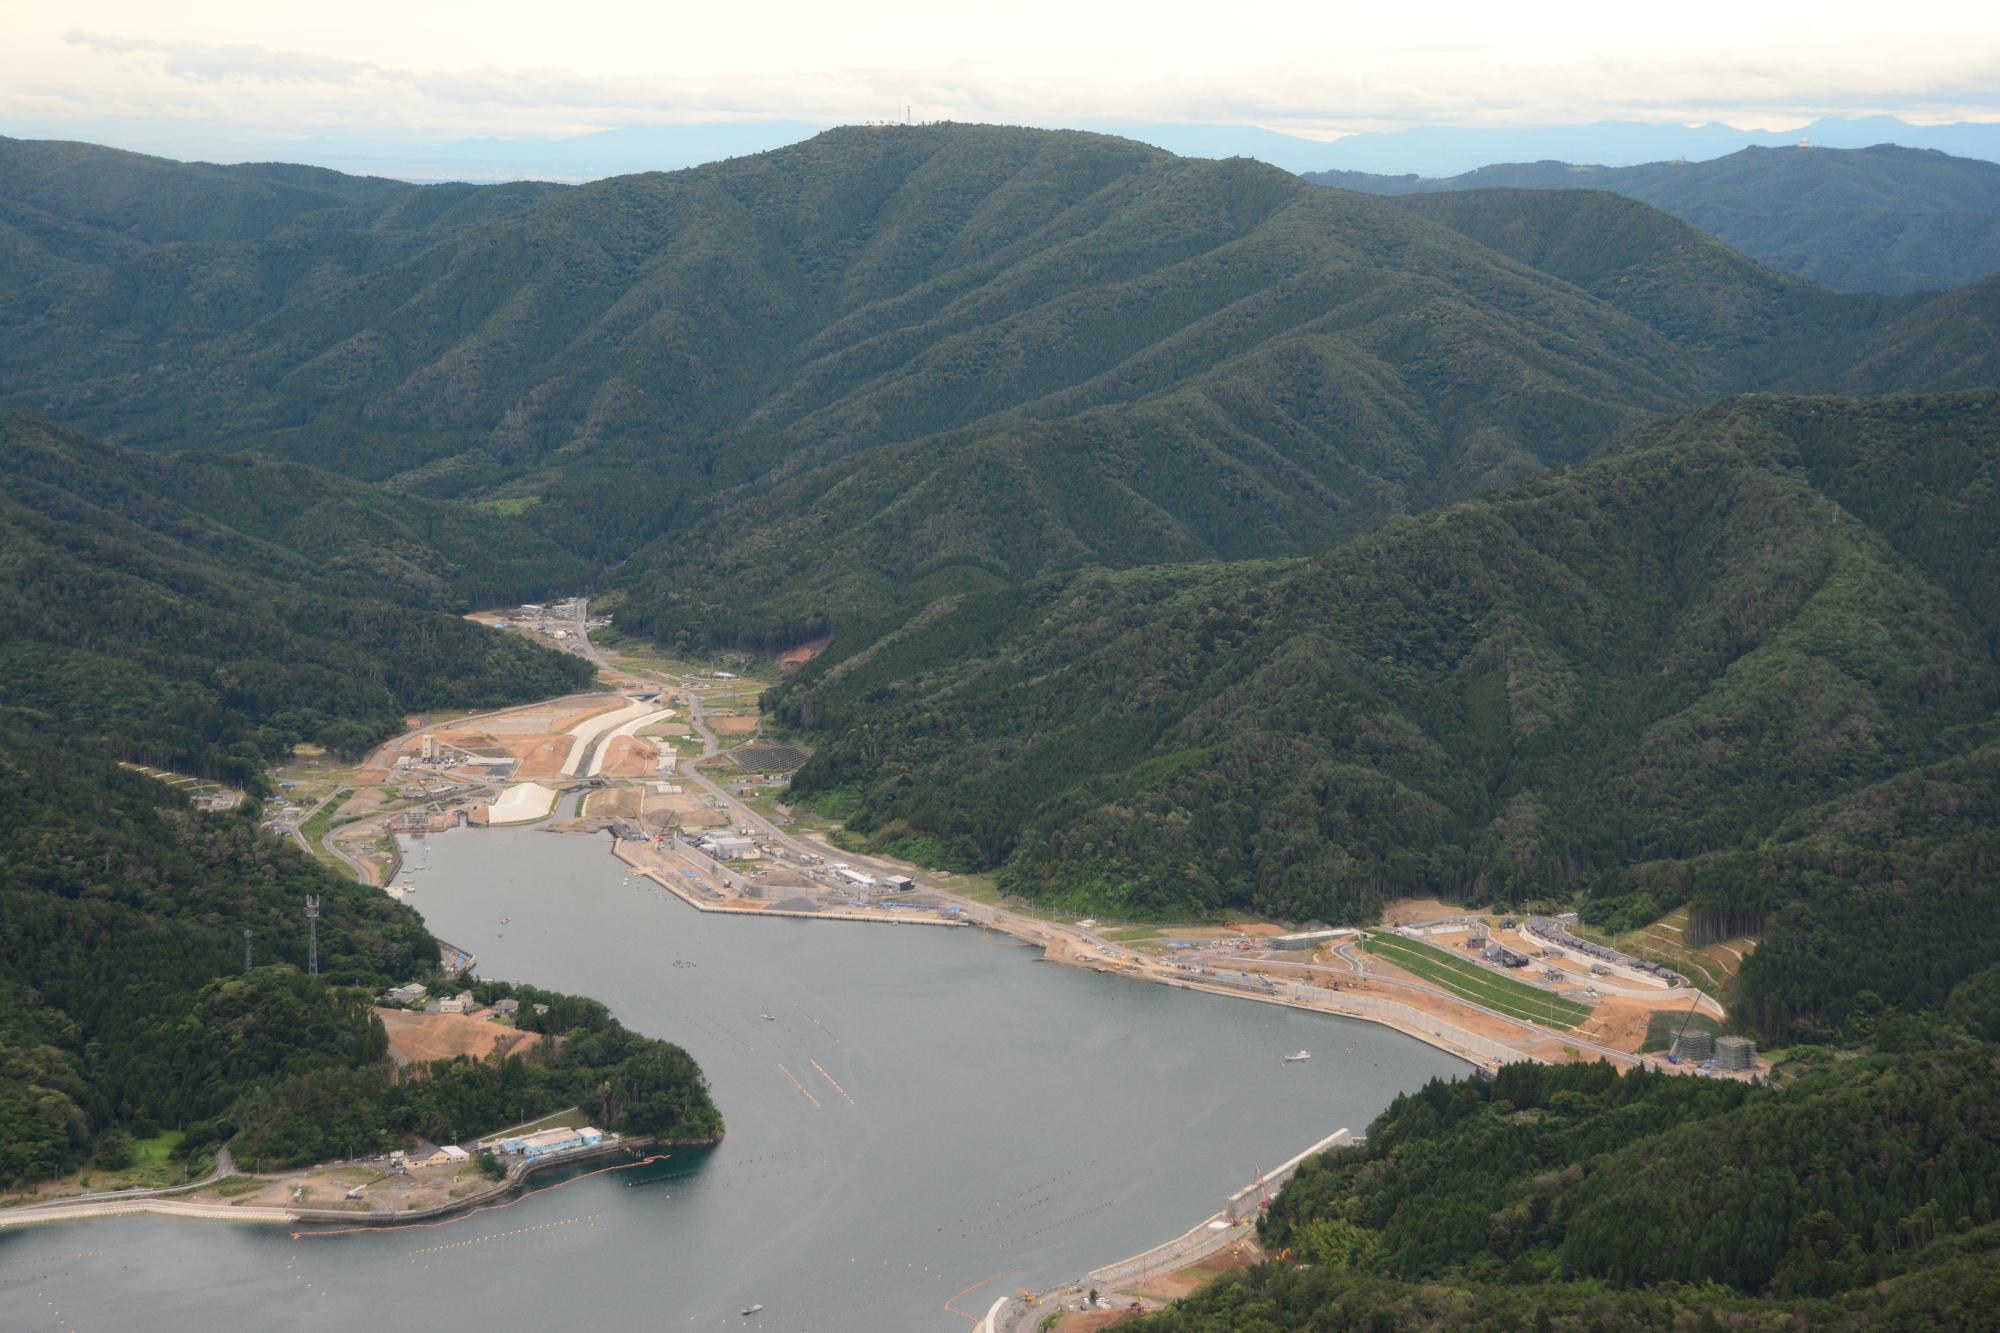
(312, 935)
(246, 949)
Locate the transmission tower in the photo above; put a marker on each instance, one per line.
(246, 949)
(312, 935)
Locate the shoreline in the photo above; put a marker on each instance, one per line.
(727, 909)
(1477, 1051)
(516, 1182)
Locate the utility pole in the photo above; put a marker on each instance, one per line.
(246, 948)
(312, 935)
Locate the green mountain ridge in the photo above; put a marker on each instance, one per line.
(782, 392)
(1648, 660)
(1574, 1198)
(209, 612)
(1880, 219)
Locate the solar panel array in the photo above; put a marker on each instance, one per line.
(768, 757)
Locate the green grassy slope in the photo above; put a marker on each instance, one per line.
(1881, 219)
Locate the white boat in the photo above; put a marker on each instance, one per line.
(751, 1309)
(1297, 1056)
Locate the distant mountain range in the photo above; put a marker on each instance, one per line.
(1448, 151)
(1430, 151)
(904, 356)
(1882, 219)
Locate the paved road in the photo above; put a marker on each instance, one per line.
(108, 1201)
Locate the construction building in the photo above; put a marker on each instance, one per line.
(1736, 1053)
(1694, 1046)
(548, 1142)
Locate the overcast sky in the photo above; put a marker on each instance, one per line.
(448, 68)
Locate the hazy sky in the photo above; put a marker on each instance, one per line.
(447, 68)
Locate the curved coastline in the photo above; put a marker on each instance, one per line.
(516, 1183)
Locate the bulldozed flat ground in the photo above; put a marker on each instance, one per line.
(416, 1037)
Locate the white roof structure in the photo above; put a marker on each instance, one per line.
(521, 803)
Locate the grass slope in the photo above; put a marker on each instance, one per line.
(1480, 985)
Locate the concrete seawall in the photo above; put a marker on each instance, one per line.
(724, 909)
(1406, 1019)
(1012, 1313)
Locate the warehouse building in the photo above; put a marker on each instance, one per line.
(548, 1142)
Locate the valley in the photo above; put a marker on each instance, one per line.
(1541, 661)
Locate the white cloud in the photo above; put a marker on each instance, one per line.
(453, 67)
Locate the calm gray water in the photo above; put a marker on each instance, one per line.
(1006, 1115)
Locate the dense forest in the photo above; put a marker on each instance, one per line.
(1858, 1194)
(1695, 670)
(1880, 219)
(816, 388)
(127, 1010)
(208, 613)
(1189, 539)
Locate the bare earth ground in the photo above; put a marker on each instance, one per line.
(535, 735)
(1407, 911)
(795, 658)
(692, 811)
(732, 726)
(620, 801)
(443, 1036)
(326, 1188)
(629, 757)
(1186, 1281)
(1089, 1321)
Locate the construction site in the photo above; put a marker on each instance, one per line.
(673, 762)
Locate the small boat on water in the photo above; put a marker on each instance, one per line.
(751, 1309)
(1297, 1056)
(767, 1018)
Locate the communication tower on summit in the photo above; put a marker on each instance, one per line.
(246, 948)
(312, 935)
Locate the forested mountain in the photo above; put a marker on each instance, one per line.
(126, 1010)
(1880, 219)
(1642, 679)
(807, 388)
(65, 205)
(209, 612)
(1573, 1197)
